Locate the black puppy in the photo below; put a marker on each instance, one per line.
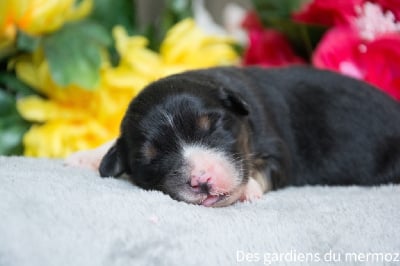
(216, 136)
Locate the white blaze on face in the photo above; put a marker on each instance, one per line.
(213, 167)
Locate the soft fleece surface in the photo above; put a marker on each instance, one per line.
(55, 215)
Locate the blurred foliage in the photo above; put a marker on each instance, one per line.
(277, 14)
(174, 11)
(109, 13)
(12, 126)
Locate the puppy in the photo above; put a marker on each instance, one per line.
(216, 136)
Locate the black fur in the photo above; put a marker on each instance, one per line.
(304, 126)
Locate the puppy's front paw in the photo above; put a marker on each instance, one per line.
(252, 191)
(84, 159)
(90, 159)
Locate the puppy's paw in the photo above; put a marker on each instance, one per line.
(252, 191)
(84, 159)
(89, 159)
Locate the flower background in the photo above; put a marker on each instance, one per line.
(68, 69)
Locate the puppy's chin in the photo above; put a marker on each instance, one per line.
(211, 200)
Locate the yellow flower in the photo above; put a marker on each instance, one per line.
(72, 118)
(36, 17)
(188, 46)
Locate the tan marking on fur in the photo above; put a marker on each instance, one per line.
(243, 142)
(149, 152)
(203, 122)
(262, 180)
(258, 176)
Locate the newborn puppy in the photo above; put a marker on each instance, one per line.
(216, 136)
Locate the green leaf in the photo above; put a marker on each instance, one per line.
(273, 9)
(12, 84)
(12, 126)
(26, 42)
(74, 53)
(111, 13)
(11, 139)
(175, 11)
(7, 104)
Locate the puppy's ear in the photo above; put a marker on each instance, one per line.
(111, 164)
(233, 101)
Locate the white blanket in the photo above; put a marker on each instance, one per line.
(54, 215)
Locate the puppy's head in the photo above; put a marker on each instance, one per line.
(187, 138)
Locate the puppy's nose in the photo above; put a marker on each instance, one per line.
(201, 182)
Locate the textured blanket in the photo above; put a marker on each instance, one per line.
(51, 214)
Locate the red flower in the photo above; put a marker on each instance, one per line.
(339, 50)
(267, 47)
(328, 12)
(252, 22)
(376, 61)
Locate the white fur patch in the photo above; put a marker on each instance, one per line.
(202, 158)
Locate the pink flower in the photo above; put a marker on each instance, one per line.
(267, 47)
(390, 5)
(368, 49)
(339, 50)
(328, 12)
(380, 64)
(372, 21)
